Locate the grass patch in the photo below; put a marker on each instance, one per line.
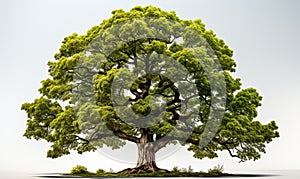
(154, 174)
(216, 171)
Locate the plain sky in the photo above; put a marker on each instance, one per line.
(263, 34)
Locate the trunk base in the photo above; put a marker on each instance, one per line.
(142, 169)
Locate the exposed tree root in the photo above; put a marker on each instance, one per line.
(142, 169)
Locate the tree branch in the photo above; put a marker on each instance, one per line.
(160, 144)
(124, 136)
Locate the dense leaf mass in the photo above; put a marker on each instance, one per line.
(57, 118)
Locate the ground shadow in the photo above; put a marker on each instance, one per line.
(250, 175)
(227, 176)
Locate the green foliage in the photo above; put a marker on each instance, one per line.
(216, 171)
(79, 169)
(182, 170)
(175, 169)
(60, 115)
(153, 174)
(100, 171)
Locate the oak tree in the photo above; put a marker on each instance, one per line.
(148, 77)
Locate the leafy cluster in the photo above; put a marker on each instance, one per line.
(217, 170)
(79, 169)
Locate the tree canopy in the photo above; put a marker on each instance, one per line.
(146, 76)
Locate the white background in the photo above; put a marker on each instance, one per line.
(263, 34)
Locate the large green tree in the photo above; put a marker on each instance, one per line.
(146, 76)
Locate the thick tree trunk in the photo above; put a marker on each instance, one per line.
(146, 155)
(146, 160)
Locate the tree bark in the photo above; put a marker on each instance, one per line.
(146, 160)
(146, 156)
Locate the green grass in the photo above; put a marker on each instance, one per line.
(216, 171)
(154, 174)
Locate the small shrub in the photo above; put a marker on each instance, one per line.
(217, 170)
(100, 171)
(190, 170)
(182, 170)
(175, 169)
(79, 169)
